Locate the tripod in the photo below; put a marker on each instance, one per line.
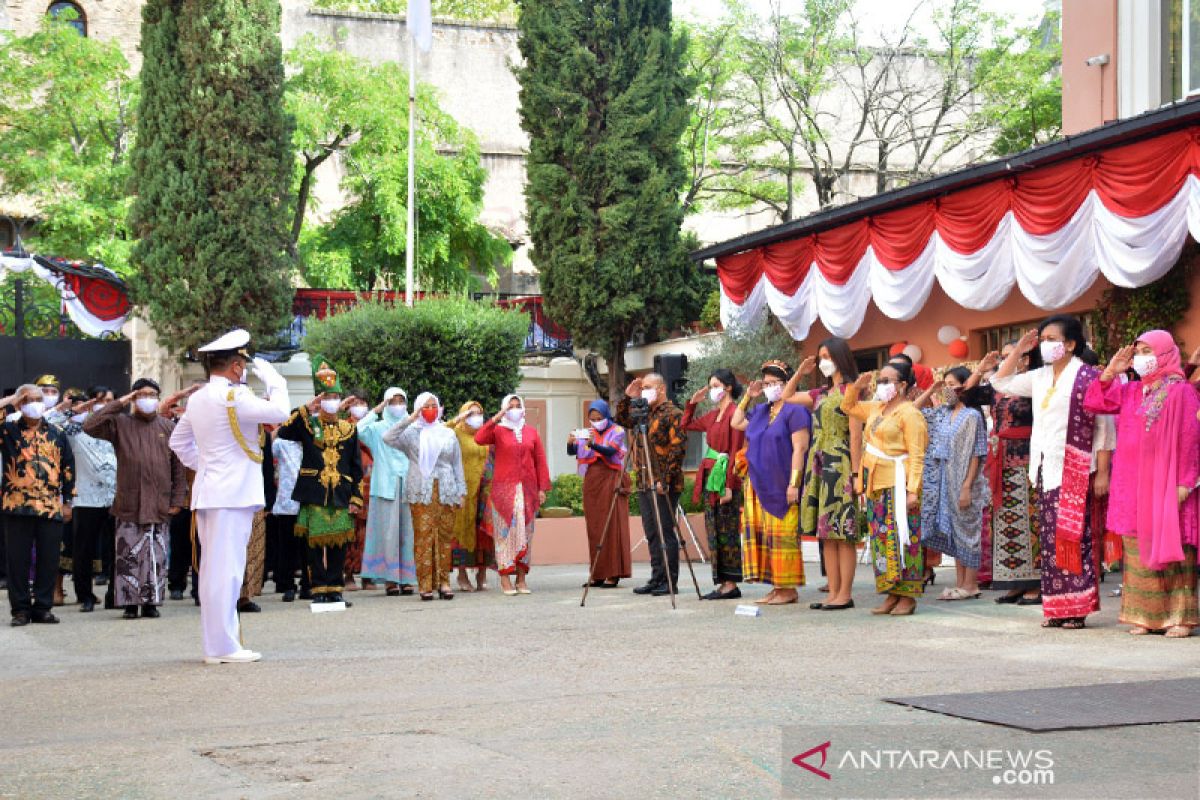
(653, 484)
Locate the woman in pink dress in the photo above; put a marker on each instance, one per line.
(1152, 504)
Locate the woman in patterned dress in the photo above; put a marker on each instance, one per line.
(895, 440)
(1016, 553)
(828, 509)
(1065, 453)
(956, 491)
(716, 483)
(466, 553)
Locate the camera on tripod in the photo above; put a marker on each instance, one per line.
(639, 411)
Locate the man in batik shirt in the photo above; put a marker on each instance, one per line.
(36, 493)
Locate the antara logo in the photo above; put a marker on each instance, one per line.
(823, 749)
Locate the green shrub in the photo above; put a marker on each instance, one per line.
(566, 492)
(455, 348)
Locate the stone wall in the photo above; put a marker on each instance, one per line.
(106, 19)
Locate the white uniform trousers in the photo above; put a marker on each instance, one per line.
(224, 536)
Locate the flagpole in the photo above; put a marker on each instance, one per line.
(411, 244)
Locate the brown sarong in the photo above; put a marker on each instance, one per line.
(600, 483)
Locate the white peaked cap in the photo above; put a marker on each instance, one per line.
(234, 340)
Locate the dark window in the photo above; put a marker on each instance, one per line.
(71, 14)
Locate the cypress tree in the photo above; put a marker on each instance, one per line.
(604, 101)
(211, 171)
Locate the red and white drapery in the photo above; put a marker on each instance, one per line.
(1123, 213)
(96, 306)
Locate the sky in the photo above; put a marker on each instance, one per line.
(887, 16)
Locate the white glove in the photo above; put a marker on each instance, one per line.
(265, 372)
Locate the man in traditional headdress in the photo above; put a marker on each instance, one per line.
(329, 485)
(218, 437)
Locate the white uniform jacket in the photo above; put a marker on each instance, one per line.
(205, 442)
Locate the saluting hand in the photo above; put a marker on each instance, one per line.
(700, 394)
(864, 381)
(1027, 342)
(808, 366)
(634, 389)
(755, 389)
(1119, 364)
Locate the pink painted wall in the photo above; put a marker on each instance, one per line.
(1089, 28)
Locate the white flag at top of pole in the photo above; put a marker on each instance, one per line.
(420, 23)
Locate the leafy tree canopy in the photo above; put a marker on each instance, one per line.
(66, 123)
(350, 108)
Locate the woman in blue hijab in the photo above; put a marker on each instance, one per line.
(600, 450)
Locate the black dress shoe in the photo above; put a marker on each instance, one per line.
(1007, 599)
(306, 594)
(176, 594)
(131, 612)
(151, 612)
(19, 619)
(249, 607)
(336, 597)
(661, 591)
(816, 606)
(43, 618)
(1030, 601)
(732, 594)
(648, 588)
(87, 606)
(289, 596)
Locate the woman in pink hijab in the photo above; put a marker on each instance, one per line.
(1151, 502)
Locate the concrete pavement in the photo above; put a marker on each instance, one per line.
(530, 696)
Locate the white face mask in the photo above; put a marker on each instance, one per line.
(650, 395)
(1144, 365)
(358, 412)
(147, 405)
(79, 418)
(716, 394)
(827, 367)
(885, 392)
(1052, 351)
(475, 421)
(773, 392)
(396, 412)
(331, 406)
(34, 410)
(515, 415)
(50, 399)
(600, 424)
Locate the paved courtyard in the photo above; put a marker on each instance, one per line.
(526, 697)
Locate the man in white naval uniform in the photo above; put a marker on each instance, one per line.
(218, 438)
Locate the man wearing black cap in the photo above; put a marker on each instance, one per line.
(150, 490)
(218, 437)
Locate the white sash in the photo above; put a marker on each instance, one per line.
(900, 501)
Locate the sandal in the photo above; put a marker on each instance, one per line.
(1074, 624)
(1053, 623)
(393, 591)
(777, 602)
(464, 584)
(406, 590)
(1138, 630)
(1178, 632)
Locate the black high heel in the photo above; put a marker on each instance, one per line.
(426, 596)
(930, 577)
(444, 595)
